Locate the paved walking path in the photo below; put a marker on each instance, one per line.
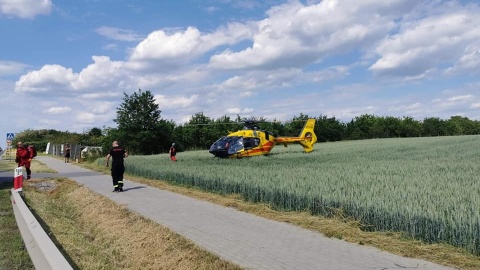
(244, 239)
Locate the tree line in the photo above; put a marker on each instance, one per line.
(142, 130)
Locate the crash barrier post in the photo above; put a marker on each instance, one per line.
(42, 250)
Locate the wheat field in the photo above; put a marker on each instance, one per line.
(426, 188)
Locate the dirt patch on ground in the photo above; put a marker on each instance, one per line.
(43, 185)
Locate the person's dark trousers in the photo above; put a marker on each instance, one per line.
(117, 177)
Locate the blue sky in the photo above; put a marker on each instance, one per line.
(65, 64)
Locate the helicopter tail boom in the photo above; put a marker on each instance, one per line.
(307, 137)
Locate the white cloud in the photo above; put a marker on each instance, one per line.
(328, 74)
(246, 93)
(101, 107)
(165, 102)
(413, 109)
(350, 113)
(44, 123)
(118, 33)
(423, 45)
(25, 9)
(100, 95)
(11, 67)
(162, 80)
(452, 104)
(48, 79)
(308, 59)
(351, 91)
(237, 110)
(110, 47)
(171, 49)
(57, 110)
(414, 106)
(176, 48)
(103, 73)
(101, 79)
(86, 117)
(297, 35)
(258, 80)
(463, 98)
(469, 62)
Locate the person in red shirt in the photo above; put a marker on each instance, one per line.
(23, 158)
(173, 152)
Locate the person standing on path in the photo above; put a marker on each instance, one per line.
(23, 158)
(117, 154)
(173, 152)
(67, 153)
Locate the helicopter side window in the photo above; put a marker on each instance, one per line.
(236, 144)
(249, 143)
(220, 143)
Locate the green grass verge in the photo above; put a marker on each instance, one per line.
(13, 254)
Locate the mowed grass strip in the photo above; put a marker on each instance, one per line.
(13, 254)
(95, 233)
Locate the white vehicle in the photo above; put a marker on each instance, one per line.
(91, 150)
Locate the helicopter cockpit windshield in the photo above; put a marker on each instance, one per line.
(226, 146)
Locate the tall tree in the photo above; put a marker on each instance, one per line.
(361, 127)
(293, 128)
(410, 127)
(434, 126)
(460, 125)
(329, 129)
(200, 130)
(140, 127)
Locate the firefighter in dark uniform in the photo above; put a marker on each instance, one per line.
(117, 154)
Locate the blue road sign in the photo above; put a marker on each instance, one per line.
(10, 136)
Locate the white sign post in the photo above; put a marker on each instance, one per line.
(18, 179)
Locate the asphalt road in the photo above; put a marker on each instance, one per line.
(247, 240)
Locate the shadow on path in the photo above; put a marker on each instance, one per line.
(6, 179)
(80, 174)
(132, 188)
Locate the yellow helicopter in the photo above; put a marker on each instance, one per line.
(251, 141)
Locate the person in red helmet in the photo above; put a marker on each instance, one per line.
(23, 158)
